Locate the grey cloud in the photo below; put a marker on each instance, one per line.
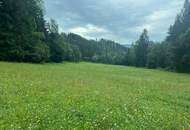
(119, 20)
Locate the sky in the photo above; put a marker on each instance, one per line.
(119, 20)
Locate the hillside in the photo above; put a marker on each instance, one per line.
(88, 96)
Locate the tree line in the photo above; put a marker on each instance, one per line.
(25, 36)
(102, 51)
(171, 54)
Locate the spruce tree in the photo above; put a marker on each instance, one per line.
(182, 23)
(178, 41)
(141, 50)
(21, 33)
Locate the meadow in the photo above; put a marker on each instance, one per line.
(87, 96)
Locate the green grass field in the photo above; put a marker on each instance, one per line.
(88, 96)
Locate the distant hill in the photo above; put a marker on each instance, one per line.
(101, 51)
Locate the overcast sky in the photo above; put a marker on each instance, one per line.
(118, 20)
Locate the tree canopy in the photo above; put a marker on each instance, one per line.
(25, 36)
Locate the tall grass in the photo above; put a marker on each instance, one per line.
(90, 96)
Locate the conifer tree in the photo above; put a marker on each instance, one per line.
(22, 31)
(141, 50)
(181, 44)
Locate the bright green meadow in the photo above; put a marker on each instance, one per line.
(87, 96)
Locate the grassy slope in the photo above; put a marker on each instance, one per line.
(92, 96)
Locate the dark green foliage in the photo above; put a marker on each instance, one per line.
(21, 33)
(39, 51)
(182, 53)
(60, 50)
(73, 53)
(56, 44)
(182, 23)
(130, 57)
(86, 47)
(172, 54)
(56, 48)
(141, 49)
(26, 37)
(156, 56)
(111, 52)
(179, 41)
(102, 51)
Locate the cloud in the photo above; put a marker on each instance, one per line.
(119, 20)
(88, 30)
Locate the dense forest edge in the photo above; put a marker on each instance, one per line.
(25, 36)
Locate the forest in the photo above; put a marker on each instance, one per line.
(53, 78)
(26, 36)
